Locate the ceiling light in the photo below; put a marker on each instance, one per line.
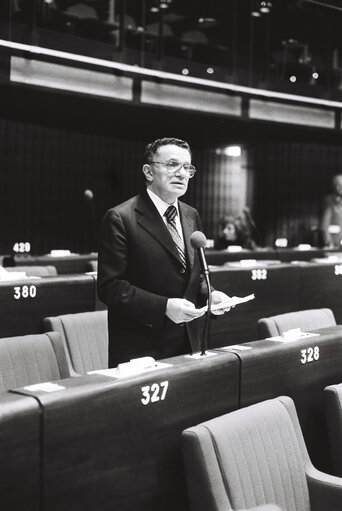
(232, 150)
(264, 7)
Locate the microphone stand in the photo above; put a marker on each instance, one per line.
(205, 333)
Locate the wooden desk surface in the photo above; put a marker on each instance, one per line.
(299, 369)
(285, 255)
(20, 437)
(105, 449)
(74, 263)
(276, 290)
(25, 303)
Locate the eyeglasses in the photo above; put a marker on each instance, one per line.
(174, 166)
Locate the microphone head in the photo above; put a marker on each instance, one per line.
(198, 240)
(88, 195)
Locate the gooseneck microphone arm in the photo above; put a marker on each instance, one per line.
(198, 242)
(205, 334)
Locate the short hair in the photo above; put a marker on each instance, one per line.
(153, 147)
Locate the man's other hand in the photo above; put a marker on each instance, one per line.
(180, 310)
(218, 297)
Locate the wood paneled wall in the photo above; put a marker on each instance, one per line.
(291, 179)
(54, 147)
(45, 171)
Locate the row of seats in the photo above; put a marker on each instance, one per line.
(257, 452)
(255, 458)
(74, 344)
(122, 433)
(83, 20)
(32, 359)
(78, 343)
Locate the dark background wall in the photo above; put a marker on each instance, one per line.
(291, 178)
(54, 146)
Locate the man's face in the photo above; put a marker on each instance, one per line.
(168, 186)
(338, 184)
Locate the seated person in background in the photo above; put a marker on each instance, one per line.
(331, 219)
(234, 231)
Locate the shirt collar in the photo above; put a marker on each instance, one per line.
(160, 204)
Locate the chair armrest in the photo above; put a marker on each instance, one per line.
(325, 490)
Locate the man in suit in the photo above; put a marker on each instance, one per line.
(148, 273)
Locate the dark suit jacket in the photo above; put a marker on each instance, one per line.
(139, 269)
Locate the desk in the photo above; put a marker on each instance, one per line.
(104, 449)
(19, 453)
(24, 303)
(276, 289)
(76, 263)
(321, 286)
(218, 257)
(270, 369)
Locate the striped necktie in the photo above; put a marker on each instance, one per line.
(170, 215)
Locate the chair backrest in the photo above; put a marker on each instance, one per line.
(82, 11)
(247, 458)
(153, 29)
(92, 266)
(194, 37)
(32, 359)
(86, 338)
(311, 319)
(333, 410)
(36, 271)
(129, 22)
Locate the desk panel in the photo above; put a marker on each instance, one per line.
(218, 257)
(104, 449)
(321, 286)
(299, 369)
(25, 303)
(276, 290)
(99, 306)
(77, 263)
(19, 453)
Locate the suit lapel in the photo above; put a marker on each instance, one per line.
(187, 221)
(150, 220)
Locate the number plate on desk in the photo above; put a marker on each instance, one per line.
(25, 292)
(259, 274)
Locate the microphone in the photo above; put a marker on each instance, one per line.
(89, 196)
(198, 242)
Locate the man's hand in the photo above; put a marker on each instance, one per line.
(218, 297)
(180, 310)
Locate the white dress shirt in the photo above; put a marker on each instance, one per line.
(162, 207)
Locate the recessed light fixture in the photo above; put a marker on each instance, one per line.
(232, 150)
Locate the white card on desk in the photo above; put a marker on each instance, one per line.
(301, 335)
